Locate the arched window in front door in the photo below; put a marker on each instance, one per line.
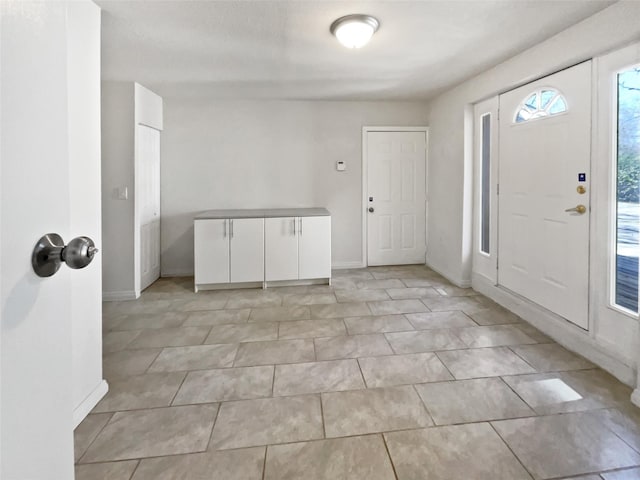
(544, 102)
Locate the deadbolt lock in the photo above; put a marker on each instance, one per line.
(581, 190)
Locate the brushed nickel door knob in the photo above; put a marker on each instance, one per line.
(50, 251)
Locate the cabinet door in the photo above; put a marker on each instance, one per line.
(314, 244)
(211, 251)
(247, 249)
(281, 249)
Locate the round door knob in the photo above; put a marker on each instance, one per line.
(79, 252)
(50, 252)
(371, 209)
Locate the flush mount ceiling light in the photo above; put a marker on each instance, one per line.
(354, 31)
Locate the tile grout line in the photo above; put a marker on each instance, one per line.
(213, 426)
(386, 447)
(517, 394)
(535, 370)
(324, 428)
(364, 380)
(146, 370)
(531, 475)
(184, 378)
(135, 469)
(264, 462)
(424, 405)
(447, 368)
(273, 382)
(111, 415)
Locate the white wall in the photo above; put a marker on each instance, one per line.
(117, 172)
(83, 59)
(124, 105)
(450, 167)
(267, 154)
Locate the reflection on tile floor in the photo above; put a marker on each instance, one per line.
(391, 373)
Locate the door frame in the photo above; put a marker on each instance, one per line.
(365, 173)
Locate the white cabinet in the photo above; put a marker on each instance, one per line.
(228, 250)
(246, 249)
(258, 247)
(211, 251)
(281, 249)
(297, 248)
(314, 247)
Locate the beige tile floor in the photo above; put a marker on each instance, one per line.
(390, 373)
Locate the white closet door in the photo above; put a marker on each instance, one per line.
(281, 249)
(148, 198)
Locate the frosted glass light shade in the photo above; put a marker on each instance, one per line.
(354, 31)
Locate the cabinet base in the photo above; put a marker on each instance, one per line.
(263, 285)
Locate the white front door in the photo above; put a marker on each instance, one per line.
(545, 138)
(148, 197)
(37, 188)
(396, 196)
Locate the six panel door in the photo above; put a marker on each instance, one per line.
(396, 196)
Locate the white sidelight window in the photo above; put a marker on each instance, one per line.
(627, 190)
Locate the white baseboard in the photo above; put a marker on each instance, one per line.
(346, 265)
(562, 331)
(82, 410)
(188, 272)
(119, 296)
(452, 278)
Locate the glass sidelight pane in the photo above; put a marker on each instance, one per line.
(485, 219)
(628, 190)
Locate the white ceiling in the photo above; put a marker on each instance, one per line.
(283, 49)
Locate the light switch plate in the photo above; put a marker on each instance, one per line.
(121, 193)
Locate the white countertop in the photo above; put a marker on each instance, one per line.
(263, 213)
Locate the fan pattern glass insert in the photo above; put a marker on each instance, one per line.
(541, 103)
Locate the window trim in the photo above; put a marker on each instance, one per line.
(613, 194)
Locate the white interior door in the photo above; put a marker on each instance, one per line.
(36, 190)
(544, 160)
(148, 198)
(396, 198)
(247, 249)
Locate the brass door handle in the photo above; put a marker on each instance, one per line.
(578, 209)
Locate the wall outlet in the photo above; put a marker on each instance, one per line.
(341, 166)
